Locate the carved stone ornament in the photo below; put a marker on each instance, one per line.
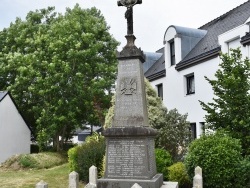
(128, 86)
(128, 3)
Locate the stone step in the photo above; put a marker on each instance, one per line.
(168, 184)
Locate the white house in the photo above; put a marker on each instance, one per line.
(14, 133)
(189, 54)
(80, 135)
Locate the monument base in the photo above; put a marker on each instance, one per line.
(155, 182)
(130, 153)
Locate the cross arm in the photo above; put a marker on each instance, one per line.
(128, 2)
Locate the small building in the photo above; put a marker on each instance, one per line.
(15, 134)
(190, 54)
(80, 135)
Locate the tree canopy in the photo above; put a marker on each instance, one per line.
(59, 68)
(229, 109)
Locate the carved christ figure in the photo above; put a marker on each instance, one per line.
(129, 13)
(129, 17)
(128, 3)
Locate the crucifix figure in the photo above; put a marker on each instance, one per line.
(129, 13)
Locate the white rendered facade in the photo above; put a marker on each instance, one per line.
(14, 133)
(175, 81)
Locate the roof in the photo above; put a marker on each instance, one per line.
(185, 31)
(189, 38)
(218, 26)
(2, 95)
(245, 39)
(157, 70)
(150, 59)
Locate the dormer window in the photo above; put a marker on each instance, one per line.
(172, 52)
(179, 42)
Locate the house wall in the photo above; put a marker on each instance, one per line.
(176, 94)
(231, 39)
(174, 90)
(14, 133)
(174, 84)
(157, 82)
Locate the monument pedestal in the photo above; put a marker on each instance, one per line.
(130, 158)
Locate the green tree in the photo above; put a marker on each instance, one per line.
(230, 107)
(174, 133)
(59, 69)
(173, 129)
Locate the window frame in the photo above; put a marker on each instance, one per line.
(160, 90)
(193, 129)
(190, 84)
(172, 52)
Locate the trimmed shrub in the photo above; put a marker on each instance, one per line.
(73, 159)
(102, 171)
(177, 172)
(82, 157)
(219, 156)
(163, 161)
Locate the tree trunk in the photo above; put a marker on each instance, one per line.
(62, 138)
(56, 142)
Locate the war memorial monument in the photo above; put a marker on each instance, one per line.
(130, 146)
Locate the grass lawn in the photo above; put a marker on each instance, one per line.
(56, 177)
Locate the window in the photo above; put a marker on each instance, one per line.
(190, 84)
(233, 44)
(193, 130)
(172, 52)
(203, 128)
(160, 91)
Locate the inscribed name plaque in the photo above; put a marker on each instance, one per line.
(130, 158)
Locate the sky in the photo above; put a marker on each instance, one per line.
(151, 18)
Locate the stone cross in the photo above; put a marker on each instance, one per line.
(129, 13)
